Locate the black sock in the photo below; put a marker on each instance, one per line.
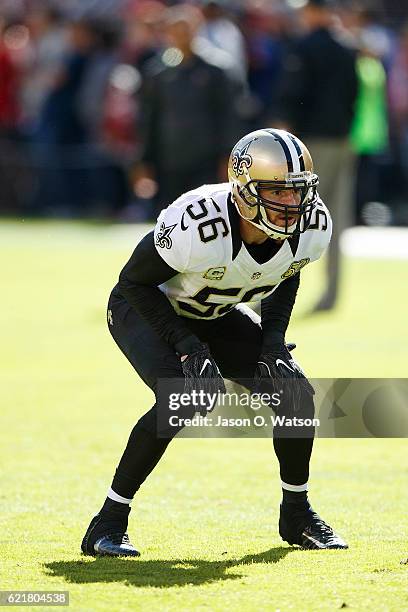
(113, 507)
(295, 497)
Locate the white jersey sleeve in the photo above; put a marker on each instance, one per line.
(321, 226)
(190, 234)
(172, 243)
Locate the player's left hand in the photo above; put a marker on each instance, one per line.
(277, 371)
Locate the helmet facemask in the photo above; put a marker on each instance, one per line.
(253, 206)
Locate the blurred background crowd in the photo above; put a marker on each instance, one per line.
(112, 108)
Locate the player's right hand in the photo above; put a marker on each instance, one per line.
(278, 372)
(201, 372)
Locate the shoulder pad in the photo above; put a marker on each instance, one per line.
(189, 234)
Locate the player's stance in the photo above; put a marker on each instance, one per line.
(175, 313)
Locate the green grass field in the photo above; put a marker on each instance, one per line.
(206, 520)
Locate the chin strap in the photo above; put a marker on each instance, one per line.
(275, 235)
(273, 231)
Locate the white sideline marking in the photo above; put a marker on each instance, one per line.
(375, 242)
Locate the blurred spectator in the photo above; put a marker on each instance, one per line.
(369, 132)
(84, 9)
(60, 118)
(187, 114)
(317, 97)
(9, 78)
(379, 39)
(9, 114)
(142, 32)
(70, 97)
(97, 75)
(107, 187)
(121, 112)
(398, 99)
(265, 32)
(48, 50)
(220, 32)
(62, 133)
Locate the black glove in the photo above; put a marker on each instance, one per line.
(277, 371)
(202, 373)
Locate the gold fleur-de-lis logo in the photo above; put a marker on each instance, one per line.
(163, 239)
(241, 160)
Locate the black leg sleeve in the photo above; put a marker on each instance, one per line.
(293, 446)
(294, 457)
(141, 455)
(153, 359)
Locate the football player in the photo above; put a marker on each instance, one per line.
(178, 311)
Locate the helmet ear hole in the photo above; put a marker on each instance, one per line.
(246, 211)
(250, 194)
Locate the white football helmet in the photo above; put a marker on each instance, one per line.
(272, 159)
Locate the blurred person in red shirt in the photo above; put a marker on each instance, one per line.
(13, 169)
(9, 83)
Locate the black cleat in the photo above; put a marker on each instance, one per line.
(115, 545)
(299, 524)
(106, 536)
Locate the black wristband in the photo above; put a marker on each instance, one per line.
(188, 345)
(272, 341)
